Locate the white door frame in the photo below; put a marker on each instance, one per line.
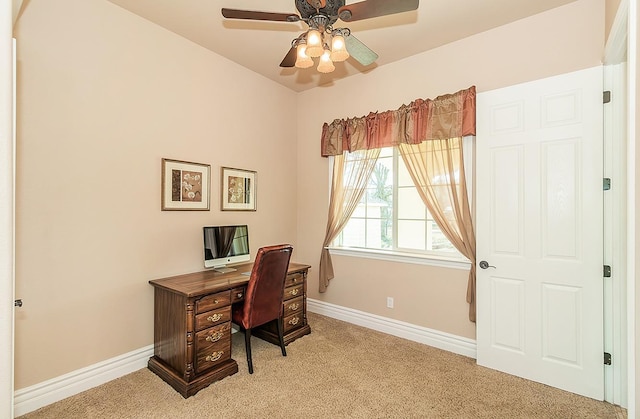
(620, 379)
(615, 218)
(615, 223)
(633, 292)
(7, 193)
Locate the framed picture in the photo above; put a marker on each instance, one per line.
(185, 185)
(238, 189)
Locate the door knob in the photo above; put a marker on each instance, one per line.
(484, 264)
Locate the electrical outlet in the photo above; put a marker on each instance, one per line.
(389, 302)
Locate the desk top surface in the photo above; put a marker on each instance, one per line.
(205, 282)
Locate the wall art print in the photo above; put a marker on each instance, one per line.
(185, 185)
(238, 190)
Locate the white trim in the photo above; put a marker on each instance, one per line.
(440, 261)
(7, 209)
(441, 340)
(621, 47)
(632, 228)
(50, 391)
(615, 222)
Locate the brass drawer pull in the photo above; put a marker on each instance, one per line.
(214, 337)
(294, 280)
(294, 291)
(294, 306)
(214, 356)
(239, 295)
(215, 317)
(294, 321)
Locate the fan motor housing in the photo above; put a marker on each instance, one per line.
(330, 10)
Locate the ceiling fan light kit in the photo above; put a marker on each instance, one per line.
(303, 60)
(320, 15)
(314, 43)
(338, 49)
(326, 65)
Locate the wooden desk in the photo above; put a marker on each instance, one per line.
(192, 324)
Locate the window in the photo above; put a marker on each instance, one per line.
(391, 216)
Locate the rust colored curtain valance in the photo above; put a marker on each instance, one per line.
(447, 116)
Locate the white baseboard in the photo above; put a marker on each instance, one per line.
(32, 398)
(441, 340)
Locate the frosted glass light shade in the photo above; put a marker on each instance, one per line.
(314, 43)
(303, 60)
(326, 65)
(338, 49)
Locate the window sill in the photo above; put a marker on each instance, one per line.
(441, 261)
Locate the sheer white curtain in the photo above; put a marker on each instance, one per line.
(350, 175)
(438, 172)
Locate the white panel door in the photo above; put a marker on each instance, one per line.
(540, 230)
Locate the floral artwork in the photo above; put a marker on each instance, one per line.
(189, 185)
(185, 185)
(238, 189)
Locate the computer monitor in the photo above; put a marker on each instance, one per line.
(225, 245)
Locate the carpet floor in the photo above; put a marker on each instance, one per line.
(338, 371)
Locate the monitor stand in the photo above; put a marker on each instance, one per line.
(224, 269)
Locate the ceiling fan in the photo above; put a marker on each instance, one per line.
(322, 39)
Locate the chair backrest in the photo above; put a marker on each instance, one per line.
(263, 298)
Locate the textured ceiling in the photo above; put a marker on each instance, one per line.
(260, 46)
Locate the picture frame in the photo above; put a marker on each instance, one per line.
(185, 185)
(238, 189)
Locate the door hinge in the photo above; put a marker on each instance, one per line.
(607, 358)
(606, 184)
(606, 96)
(607, 271)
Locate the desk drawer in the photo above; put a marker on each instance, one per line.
(292, 305)
(237, 294)
(212, 335)
(293, 321)
(211, 318)
(292, 292)
(213, 301)
(294, 279)
(213, 354)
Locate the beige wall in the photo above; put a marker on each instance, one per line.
(551, 43)
(102, 96)
(611, 8)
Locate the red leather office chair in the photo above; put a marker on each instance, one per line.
(263, 298)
